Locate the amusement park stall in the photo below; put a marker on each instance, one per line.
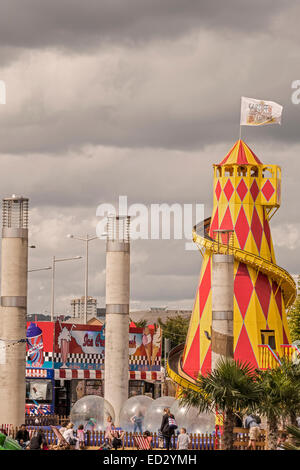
(40, 386)
(66, 362)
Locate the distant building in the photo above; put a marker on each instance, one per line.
(78, 307)
(35, 317)
(154, 313)
(97, 315)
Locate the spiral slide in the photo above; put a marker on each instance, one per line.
(279, 275)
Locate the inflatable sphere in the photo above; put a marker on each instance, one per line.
(192, 420)
(133, 413)
(154, 414)
(92, 411)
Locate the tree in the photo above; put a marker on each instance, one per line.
(295, 444)
(294, 317)
(139, 323)
(280, 397)
(231, 387)
(291, 392)
(175, 328)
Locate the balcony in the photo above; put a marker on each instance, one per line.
(269, 358)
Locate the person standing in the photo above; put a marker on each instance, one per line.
(108, 430)
(137, 421)
(183, 440)
(252, 422)
(80, 444)
(165, 428)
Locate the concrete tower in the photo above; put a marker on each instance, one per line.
(13, 309)
(246, 194)
(222, 307)
(117, 312)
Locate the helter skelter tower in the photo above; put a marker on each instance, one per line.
(246, 193)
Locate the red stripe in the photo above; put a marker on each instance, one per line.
(241, 158)
(142, 443)
(62, 373)
(86, 374)
(143, 375)
(228, 155)
(74, 374)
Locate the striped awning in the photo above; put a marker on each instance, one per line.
(69, 374)
(41, 373)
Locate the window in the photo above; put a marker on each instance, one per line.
(228, 171)
(242, 171)
(268, 337)
(254, 172)
(267, 173)
(219, 172)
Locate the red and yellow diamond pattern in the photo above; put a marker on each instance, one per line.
(245, 191)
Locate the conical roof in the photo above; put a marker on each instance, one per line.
(241, 154)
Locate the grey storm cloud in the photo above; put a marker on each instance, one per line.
(74, 24)
(139, 98)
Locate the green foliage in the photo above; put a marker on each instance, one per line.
(295, 433)
(294, 317)
(230, 386)
(281, 391)
(175, 328)
(140, 323)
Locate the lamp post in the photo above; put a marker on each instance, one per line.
(39, 269)
(57, 260)
(86, 239)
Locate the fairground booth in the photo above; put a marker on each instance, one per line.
(66, 361)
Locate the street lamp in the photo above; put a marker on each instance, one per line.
(39, 269)
(86, 239)
(57, 260)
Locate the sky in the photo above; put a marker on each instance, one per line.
(139, 98)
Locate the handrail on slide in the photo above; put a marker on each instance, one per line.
(283, 279)
(278, 274)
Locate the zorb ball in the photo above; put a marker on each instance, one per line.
(155, 412)
(92, 411)
(193, 421)
(132, 416)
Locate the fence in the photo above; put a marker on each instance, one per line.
(198, 441)
(241, 439)
(46, 420)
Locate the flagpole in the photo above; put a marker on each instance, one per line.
(241, 118)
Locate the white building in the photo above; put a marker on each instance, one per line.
(78, 307)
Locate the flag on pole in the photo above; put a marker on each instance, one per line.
(259, 112)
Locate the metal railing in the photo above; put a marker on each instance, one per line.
(268, 358)
(279, 275)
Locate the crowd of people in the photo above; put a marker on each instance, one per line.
(68, 438)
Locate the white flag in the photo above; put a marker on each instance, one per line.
(259, 112)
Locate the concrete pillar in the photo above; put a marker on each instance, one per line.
(14, 260)
(222, 307)
(117, 313)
